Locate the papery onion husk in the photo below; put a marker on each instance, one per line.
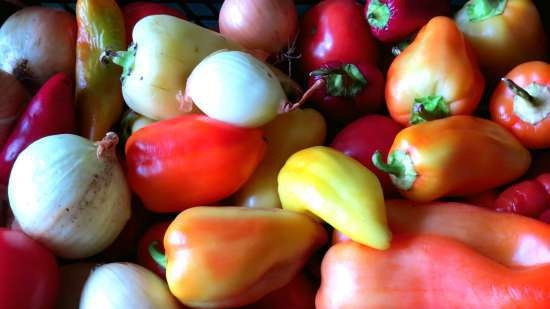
(70, 194)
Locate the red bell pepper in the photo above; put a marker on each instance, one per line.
(135, 11)
(528, 198)
(361, 138)
(335, 30)
(344, 92)
(393, 20)
(428, 272)
(29, 276)
(522, 103)
(190, 160)
(51, 111)
(545, 217)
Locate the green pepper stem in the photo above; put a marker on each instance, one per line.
(125, 59)
(517, 90)
(378, 14)
(479, 10)
(156, 255)
(395, 168)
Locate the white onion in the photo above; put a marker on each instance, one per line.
(37, 42)
(70, 194)
(237, 88)
(125, 286)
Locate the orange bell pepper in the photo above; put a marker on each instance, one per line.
(521, 103)
(435, 76)
(503, 33)
(285, 135)
(428, 272)
(455, 156)
(220, 257)
(98, 88)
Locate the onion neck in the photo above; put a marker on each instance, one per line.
(106, 148)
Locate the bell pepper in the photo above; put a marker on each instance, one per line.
(164, 51)
(51, 111)
(222, 257)
(503, 33)
(335, 30)
(286, 134)
(98, 95)
(394, 20)
(135, 11)
(346, 91)
(529, 198)
(428, 272)
(329, 185)
(434, 77)
(190, 160)
(509, 239)
(361, 138)
(545, 217)
(454, 156)
(521, 103)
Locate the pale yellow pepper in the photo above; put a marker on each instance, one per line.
(286, 134)
(339, 190)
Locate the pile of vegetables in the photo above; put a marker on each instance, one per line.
(387, 154)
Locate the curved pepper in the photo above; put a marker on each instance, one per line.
(338, 189)
(220, 257)
(190, 160)
(509, 239)
(455, 156)
(51, 111)
(434, 77)
(156, 65)
(521, 103)
(428, 272)
(98, 95)
(286, 134)
(528, 198)
(503, 33)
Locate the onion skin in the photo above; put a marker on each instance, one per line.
(266, 25)
(125, 285)
(13, 99)
(37, 42)
(70, 194)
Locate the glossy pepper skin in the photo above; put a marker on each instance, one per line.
(509, 239)
(454, 156)
(429, 272)
(503, 33)
(521, 103)
(394, 20)
(529, 198)
(190, 160)
(50, 111)
(361, 138)
(240, 254)
(327, 184)
(436, 76)
(285, 135)
(98, 93)
(156, 65)
(335, 30)
(348, 90)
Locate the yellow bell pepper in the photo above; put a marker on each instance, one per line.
(341, 191)
(164, 51)
(285, 135)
